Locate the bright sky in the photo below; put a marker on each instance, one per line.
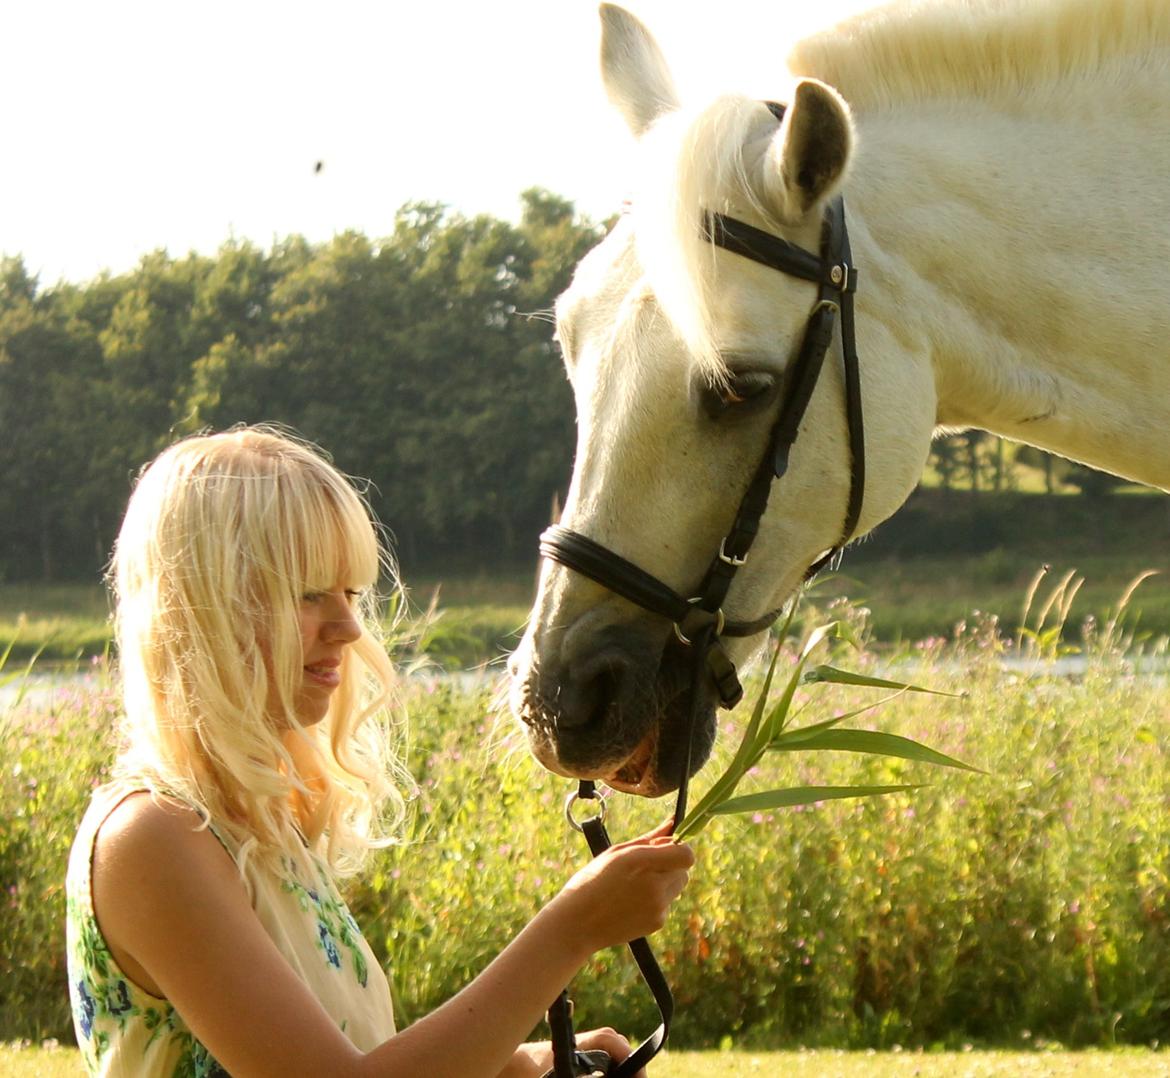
(131, 125)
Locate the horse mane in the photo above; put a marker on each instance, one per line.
(914, 50)
(923, 49)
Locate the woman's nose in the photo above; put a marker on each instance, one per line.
(342, 625)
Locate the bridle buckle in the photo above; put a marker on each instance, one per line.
(730, 559)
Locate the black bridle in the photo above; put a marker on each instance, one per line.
(699, 621)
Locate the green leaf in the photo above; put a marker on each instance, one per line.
(804, 795)
(816, 636)
(869, 741)
(836, 720)
(834, 676)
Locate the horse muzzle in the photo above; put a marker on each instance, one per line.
(614, 706)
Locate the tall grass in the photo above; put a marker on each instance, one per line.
(1029, 902)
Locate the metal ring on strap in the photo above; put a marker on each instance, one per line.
(720, 621)
(572, 800)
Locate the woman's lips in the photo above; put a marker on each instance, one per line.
(326, 674)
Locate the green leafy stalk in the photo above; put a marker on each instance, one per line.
(767, 731)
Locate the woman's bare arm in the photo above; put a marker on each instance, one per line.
(171, 904)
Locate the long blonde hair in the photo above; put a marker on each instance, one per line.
(223, 535)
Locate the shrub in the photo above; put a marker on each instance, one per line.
(50, 759)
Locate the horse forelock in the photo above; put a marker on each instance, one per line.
(692, 162)
(924, 50)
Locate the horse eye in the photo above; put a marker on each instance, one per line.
(743, 390)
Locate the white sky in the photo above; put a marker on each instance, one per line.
(131, 125)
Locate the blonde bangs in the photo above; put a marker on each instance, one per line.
(223, 536)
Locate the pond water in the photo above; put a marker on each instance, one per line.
(43, 689)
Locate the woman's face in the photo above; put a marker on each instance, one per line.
(328, 625)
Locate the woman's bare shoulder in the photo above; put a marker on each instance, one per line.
(150, 852)
(144, 828)
(156, 867)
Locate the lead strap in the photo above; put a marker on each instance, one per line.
(568, 1062)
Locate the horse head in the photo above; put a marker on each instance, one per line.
(677, 353)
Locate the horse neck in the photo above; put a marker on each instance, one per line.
(1017, 248)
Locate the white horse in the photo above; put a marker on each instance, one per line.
(1005, 166)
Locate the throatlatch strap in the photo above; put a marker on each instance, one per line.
(853, 409)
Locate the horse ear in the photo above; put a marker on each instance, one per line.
(633, 69)
(810, 152)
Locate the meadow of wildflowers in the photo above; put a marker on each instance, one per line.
(1029, 903)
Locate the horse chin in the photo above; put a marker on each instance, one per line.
(655, 766)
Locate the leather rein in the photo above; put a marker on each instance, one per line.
(699, 621)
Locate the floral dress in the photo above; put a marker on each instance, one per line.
(124, 1030)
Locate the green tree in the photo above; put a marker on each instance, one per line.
(423, 361)
(51, 509)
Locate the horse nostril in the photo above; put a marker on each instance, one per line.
(592, 690)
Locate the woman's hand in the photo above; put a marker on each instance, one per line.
(535, 1059)
(626, 892)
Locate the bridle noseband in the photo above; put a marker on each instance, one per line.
(699, 621)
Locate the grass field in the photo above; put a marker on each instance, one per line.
(481, 616)
(17, 1062)
(940, 557)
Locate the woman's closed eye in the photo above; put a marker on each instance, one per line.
(351, 594)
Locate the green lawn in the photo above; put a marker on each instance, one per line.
(481, 616)
(839, 1064)
(16, 1062)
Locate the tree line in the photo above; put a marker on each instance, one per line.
(423, 360)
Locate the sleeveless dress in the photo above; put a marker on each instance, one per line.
(123, 1030)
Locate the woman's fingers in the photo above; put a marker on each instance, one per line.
(661, 833)
(605, 1039)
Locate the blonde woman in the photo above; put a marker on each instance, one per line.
(206, 933)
